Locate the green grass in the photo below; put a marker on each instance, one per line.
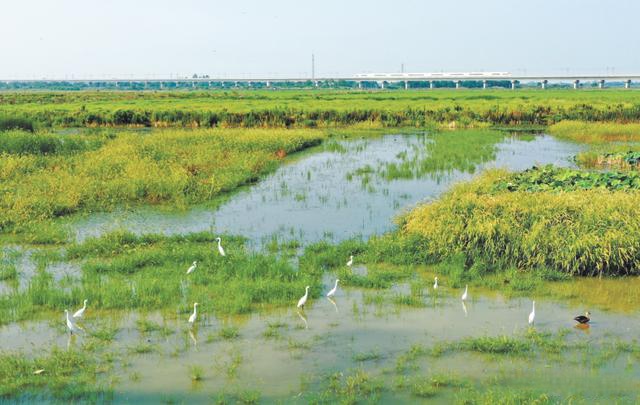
(580, 232)
(180, 167)
(596, 132)
(124, 271)
(312, 108)
(436, 154)
(69, 375)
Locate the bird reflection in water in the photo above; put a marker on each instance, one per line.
(334, 304)
(306, 325)
(584, 327)
(194, 338)
(464, 308)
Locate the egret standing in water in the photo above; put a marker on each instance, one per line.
(220, 249)
(435, 283)
(333, 291)
(192, 318)
(73, 328)
(532, 315)
(303, 300)
(80, 313)
(466, 293)
(193, 267)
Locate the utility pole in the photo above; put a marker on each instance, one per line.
(313, 67)
(402, 68)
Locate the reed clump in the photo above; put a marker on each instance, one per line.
(49, 176)
(578, 232)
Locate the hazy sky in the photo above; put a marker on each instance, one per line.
(94, 38)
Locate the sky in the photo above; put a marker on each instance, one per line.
(253, 38)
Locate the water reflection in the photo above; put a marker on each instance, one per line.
(306, 325)
(464, 308)
(333, 303)
(311, 198)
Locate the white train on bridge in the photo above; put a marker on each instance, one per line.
(427, 76)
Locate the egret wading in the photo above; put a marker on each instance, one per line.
(73, 328)
(80, 313)
(333, 291)
(193, 267)
(193, 316)
(303, 300)
(532, 315)
(220, 249)
(466, 293)
(435, 283)
(583, 319)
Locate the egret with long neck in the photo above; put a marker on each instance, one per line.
(333, 291)
(466, 293)
(73, 328)
(435, 283)
(532, 315)
(192, 318)
(303, 300)
(192, 268)
(80, 313)
(220, 249)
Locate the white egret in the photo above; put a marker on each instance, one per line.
(193, 267)
(220, 249)
(73, 328)
(350, 262)
(333, 291)
(466, 293)
(303, 300)
(532, 315)
(192, 318)
(80, 313)
(435, 284)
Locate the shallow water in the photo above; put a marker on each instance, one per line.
(312, 197)
(326, 336)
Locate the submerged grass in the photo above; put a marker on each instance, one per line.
(124, 271)
(63, 375)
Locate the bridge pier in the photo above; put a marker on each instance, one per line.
(431, 86)
(235, 84)
(457, 84)
(601, 84)
(576, 84)
(268, 83)
(513, 84)
(177, 84)
(484, 84)
(360, 85)
(193, 84)
(161, 85)
(544, 84)
(382, 85)
(406, 84)
(117, 85)
(627, 84)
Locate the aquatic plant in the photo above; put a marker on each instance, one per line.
(580, 232)
(178, 167)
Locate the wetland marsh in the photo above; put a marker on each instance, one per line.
(473, 207)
